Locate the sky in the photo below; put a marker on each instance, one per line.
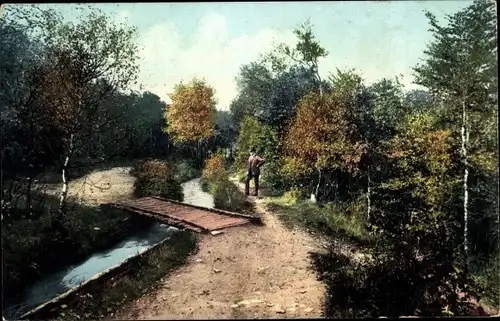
(212, 40)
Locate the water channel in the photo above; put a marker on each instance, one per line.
(71, 276)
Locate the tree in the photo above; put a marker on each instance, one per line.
(324, 137)
(413, 215)
(286, 91)
(225, 130)
(460, 71)
(418, 100)
(388, 106)
(255, 83)
(190, 116)
(81, 65)
(307, 52)
(29, 139)
(250, 133)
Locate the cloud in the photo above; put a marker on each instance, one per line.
(210, 53)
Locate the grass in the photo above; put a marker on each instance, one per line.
(345, 221)
(488, 279)
(33, 249)
(137, 278)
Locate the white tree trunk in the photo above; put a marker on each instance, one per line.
(64, 191)
(368, 196)
(465, 140)
(316, 194)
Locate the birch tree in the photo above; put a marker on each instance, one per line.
(460, 70)
(82, 64)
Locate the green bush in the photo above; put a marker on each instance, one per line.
(156, 178)
(227, 196)
(388, 287)
(185, 171)
(489, 281)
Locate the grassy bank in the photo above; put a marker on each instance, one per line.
(106, 296)
(345, 221)
(32, 248)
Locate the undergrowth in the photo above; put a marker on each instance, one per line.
(215, 181)
(137, 278)
(156, 178)
(332, 220)
(32, 249)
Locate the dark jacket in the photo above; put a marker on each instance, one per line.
(253, 164)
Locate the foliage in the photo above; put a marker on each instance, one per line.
(254, 88)
(225, 129)
(414, 220)
(227, 196)
(250, 133)
(185, 171)
(323, 136)
(214, 169)
(339, 220)
(307, 51)
(388, 107)
(215, 180)
(460, 70)
(156, 178)
(190, 116)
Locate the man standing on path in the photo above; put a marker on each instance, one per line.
(254, 163)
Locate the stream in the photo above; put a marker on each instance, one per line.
(71, 276)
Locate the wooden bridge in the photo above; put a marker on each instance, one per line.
(185, 216)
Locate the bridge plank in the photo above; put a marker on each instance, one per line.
(195, 218)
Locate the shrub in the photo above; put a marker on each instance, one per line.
(489, 280)
(215, 180)
(227, 196)
(214, 169)
(388, 287)
(156, 178)
(185, 171)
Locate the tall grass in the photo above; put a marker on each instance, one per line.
(344, 220)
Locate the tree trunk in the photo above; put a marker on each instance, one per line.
(28, 194)
(64, 191)
(316, 194)
(465, 139)
(368, 195)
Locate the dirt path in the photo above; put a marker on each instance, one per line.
(99, 187)
(246, 272)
